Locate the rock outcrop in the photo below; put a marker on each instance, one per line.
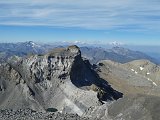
(60, 79)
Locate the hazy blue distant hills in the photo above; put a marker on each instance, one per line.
(94, 54)
(117, 54)
(21, 49)
(151, 50)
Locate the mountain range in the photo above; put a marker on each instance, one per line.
(93, 54)
(117, 54)
(60, 83)
(59, 80)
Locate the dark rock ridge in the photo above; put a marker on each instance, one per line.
(60, 80)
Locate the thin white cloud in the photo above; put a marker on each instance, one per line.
(89, 14)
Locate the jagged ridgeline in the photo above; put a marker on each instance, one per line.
(57, 81)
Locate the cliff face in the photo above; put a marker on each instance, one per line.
(56, 64)
(60, 79)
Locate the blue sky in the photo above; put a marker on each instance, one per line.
(98, 21)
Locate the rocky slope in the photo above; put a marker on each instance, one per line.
(59, 80)
(130, 77)
(28, 114)
(145, 68)
(141, 96)
(62, 85)
(130, 107)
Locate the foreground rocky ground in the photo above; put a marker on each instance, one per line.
(28, 114)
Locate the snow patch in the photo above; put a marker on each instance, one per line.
(119, 115)
(154, 84)
(115, 43)
(136, 72)
(141, 68)
(35, 45)
(32, 44)
(148, 73)
(132, 70)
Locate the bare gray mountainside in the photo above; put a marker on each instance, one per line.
(141, 96)
(139, 76)
(63, 81)
(130, 107)
(59, 80)
(145, 68)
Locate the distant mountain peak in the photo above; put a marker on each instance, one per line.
(32, 44)
(115, 43)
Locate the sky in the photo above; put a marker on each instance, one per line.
(100, 21)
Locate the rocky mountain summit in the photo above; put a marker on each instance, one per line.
(61, 84)
(59, 80)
